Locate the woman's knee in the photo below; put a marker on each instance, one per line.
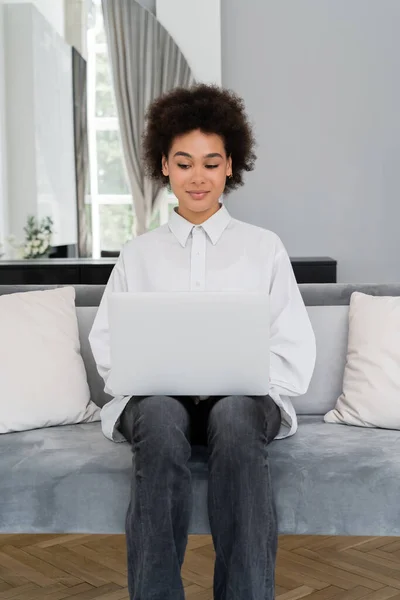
(161, 422)
(241, 420)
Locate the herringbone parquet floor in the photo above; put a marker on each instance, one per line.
(83, 567)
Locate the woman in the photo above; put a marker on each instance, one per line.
(199, 142)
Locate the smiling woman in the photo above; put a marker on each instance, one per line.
(200, 142)
(198, 177)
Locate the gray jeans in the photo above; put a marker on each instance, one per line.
(241, 508)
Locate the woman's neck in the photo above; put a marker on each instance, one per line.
(197, 218)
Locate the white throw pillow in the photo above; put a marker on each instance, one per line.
(371, 382)
(42, 375)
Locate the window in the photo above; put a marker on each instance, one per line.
(109, 202)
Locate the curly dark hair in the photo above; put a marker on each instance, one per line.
(208, 108)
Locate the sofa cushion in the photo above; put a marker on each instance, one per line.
(42, 375)
(327, 479)
(371, 382)
(330, 326)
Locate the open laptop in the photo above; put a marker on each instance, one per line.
(189, 343)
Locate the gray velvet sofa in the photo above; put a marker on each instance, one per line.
(328, 479)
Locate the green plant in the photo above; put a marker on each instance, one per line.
(38, 237)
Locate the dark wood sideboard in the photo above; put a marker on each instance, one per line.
(61, 271)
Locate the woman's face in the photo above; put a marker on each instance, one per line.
(197, 167)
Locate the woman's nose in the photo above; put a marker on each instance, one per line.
(197, 175)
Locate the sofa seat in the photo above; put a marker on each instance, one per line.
(328, 479)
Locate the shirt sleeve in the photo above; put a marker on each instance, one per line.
(292, 339)
(99, 336)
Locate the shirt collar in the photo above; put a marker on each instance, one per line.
(214, 226)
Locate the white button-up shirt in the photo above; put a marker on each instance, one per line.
(221, 254)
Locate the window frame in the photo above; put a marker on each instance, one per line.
(95, 124)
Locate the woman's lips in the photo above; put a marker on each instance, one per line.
(198, 195)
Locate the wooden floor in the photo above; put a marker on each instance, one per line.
(52, 567)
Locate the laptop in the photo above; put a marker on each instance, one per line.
(189, 343)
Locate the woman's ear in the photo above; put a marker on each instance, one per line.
(229, 171)
(164, 166)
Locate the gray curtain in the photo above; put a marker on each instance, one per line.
(145, 63)
(81, 151)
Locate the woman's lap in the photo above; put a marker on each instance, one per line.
(238, 412)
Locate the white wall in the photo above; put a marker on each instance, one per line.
(52, 10)
(40, 140)
(3, 163)
(20, 122)
(321, 83)
(76, 24)
(196, 28)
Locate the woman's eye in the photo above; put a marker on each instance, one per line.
(185, 167)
